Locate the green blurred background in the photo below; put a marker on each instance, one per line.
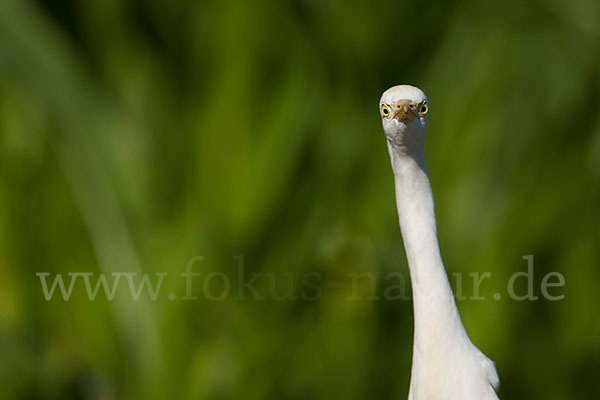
(137, 135)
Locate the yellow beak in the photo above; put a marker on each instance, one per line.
(404, 110)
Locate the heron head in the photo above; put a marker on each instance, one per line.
(403, 111)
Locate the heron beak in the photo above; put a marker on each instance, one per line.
(404, 111)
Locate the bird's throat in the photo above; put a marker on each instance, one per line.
(436, 317)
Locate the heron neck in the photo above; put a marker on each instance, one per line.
(436, 316)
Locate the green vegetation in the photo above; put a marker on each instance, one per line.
(136, 135)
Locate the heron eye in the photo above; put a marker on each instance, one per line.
(386, 111)
(423, 108)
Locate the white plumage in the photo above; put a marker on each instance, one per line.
(446, 365)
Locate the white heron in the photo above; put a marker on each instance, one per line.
(446, 365)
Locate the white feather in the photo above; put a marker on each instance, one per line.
(446, 365)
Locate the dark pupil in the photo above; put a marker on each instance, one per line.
(385, 111)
